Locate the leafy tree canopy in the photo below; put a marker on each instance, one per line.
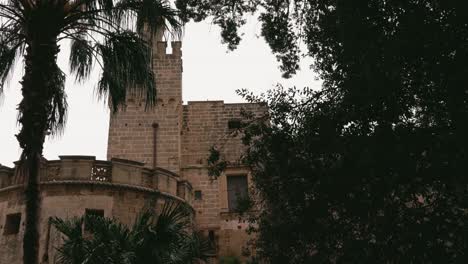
(371, 168)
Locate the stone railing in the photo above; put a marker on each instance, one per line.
(86, 169)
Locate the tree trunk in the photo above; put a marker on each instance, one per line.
(35, 110)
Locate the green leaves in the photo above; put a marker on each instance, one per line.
(216, 165)
(154, 238)
(74, 248)
(371, 168)
(281, 23)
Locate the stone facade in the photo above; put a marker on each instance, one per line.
(178, 137)
(131, 133)
(154, 154)
(69, 186)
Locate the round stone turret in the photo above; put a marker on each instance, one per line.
(76, 185)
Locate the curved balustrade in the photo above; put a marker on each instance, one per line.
(87, 169)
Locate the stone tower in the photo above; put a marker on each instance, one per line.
(152, 136)
(177, 137)
(154, 155)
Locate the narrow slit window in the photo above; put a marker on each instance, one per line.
(212, 239)
(198, 195)
(211, 236)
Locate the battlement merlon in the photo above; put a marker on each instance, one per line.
(161, 50)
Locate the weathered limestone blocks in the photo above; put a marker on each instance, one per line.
(76, 167)
(88, 170)
(5, 176)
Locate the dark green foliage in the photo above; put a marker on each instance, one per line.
(331, 193)
(154, 238)
(215, 164)
(150, 14)
(278, 19)
(7, 59)
(371, 168)
(244, 204)
(227, 14)
(125, 59)
(81, 58)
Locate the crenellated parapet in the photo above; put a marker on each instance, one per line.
(86, 170)
(162, 52)
(152, 136)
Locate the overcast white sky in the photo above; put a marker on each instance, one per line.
(210, 73)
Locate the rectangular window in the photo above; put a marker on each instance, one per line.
(234, 124)
(212, 239)
(92, 212)
(237, 189)
(12, 224)
(198, 195)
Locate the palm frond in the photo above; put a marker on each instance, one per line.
(12, 10)
(191, 248)
(106, 229)
(151, 16)
(173, 221)
(160, 237)
(58, 102)
(126, 69)
(196, 248)
(11, 45)
(143, 220)
(175, 212)
(105, 6)
(7, 60)
(74, 248)
(81, 58)
(163, 238)
(71, 228)
(110, 241)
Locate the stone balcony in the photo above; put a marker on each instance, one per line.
(86, 170)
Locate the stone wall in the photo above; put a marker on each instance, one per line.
(131, 132)
(184, 135)
(68, 201)
(212, 213)
(75, 183)
(6, 176)
(205, 124)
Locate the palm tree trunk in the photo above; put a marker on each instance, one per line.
(34, 116)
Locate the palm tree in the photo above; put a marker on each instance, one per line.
(107, 33)
(165, 238)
